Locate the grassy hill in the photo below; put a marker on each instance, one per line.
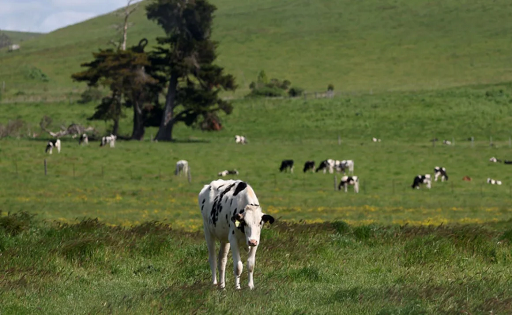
(364, 46)
(18, 37)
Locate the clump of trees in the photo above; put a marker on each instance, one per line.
(181, 66)
(273, 87)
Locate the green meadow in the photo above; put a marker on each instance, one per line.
(114, 231)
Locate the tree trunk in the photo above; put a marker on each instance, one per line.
(115, 128)
(138, 122)
(167, 124)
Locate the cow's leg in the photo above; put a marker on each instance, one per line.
(251, 261)
(346, 186)
(223, 259)
(210, 242)
(291, 169)
(238, 266)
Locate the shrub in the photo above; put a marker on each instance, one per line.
(34, 73)
(272, 88)
(267, 91)
(295, 91)
(330, 87)
(14, 224)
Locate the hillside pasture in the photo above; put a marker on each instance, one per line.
(134, 182)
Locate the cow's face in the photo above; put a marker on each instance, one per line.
(250, 222)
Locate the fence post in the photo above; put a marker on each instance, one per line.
(453, 141)
(509, 142)
(3, 86)
(472, 142)
(275, 181)
(335, 181)
(339, 139)
(490, 141)
(102, 171)
(73, 169)
(45, 167)
(189, 175)
(452, 186)
(393, 186)
(16, 166)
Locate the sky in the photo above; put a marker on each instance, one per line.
(43, 16)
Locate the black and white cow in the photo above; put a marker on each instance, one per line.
(494, 160)
(326, 165)
(349, 180)
(286, 165)
(228, 172)
(231, 215)
(108, 140)
(53, 144)
(182, 168)
(83, 139)
(447, 142)
(493, 181)
(240, 139)
(440, 171)
(344, 165)
(422, 179)
(507, 162)
(309, 166)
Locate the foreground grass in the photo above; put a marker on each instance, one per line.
(87, 267)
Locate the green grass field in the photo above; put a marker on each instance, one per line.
(387, 250)
(369, 46)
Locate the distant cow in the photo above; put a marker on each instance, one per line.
(466, 178)
(83, 139)
(348, 164)
(494, 160)
(232, 215)
(493, 181)
(286, 165)
(422, 179)
(349, 180)
(447, 142)
(13, 47)
(226, 172)
(181, 168)
(53, 144)
(440, 171)
(108, 140)
(375, 140)
(240, 139)
(309, 165)
(326, 165)
(507, 162)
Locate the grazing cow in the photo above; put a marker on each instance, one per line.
(232, 215)
(326, 165)
(466, 178)
(494, 160)
(226, 172)
(83, 139)
(422, 179)
(309, 165)
(110, 140)
(51, 144)
(286, 164)
(447, 142)
(347, 164)
(375, 140)
(507, 162)
(349, 180)
(13, 47)
(440, 171)
(181, 168)
(240, 139)
(493, 181)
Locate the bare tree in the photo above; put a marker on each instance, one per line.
(125, 13)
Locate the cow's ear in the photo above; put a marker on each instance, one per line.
(268, 218)
(239, 217)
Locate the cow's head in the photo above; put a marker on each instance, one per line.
(250, 220)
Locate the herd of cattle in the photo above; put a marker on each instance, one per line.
(84, 139)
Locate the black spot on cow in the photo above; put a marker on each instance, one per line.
(218, 188)
(231, 203)
(202, 207)
(233, 232)
(204, 201)
(242, 211)
(226, 216)
(217, 204)
(240, 187)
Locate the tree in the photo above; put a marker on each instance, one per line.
(125, 13)
(184, 59)
(123, 72)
